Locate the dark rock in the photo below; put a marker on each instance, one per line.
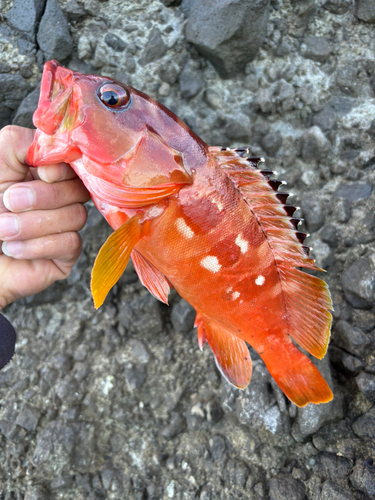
(155, 48)
(313, 212)
(366, 384)
(139, 351)
(341, 105)
(25, 47)
(332, 491)
(29, 417)
(141, 315)
(271, 142)
(329, 235)
(217, 447)
(338, 6)
(342, 210)
(363, 477)
(314, 144)
(175, 426)
(345, 362)
(182, 316)
(359, 283)
(228, 32)
(191, 82)
(13, 88)
(371, 129)
(347, 79)
(236, 473)
(52, 294)
(325, 119)
(53, 35)
(365, 10)
(286, 488)
(25, 15)
(171, 3)
(237, 128)
(331, 466)
(36, 493)
(351, 338)
(115, 42)
(364, 426)
(74, 11)
(354, 192)
(186, 7)
(135, 376)
(316, 48)
(24, 114)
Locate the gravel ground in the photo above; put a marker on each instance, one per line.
(120, 403)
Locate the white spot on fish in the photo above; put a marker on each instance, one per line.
(218, 203)
(243, 244)
(211, 263)
(235, 295)
(260, 280)
(184, 229)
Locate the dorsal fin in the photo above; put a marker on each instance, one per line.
(310, 322)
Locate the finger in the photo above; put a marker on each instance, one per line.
(35, 224)
(14, 144)
(55, 173)
(38, 195)
(64, 247)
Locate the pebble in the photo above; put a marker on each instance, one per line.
(286, 488)
(314, 144)
(191, 82)
(313, 212)
(366, 384)
(183, 316)
(351, 338)
(115, 42)
(363, 477)
(365, 10)
(332, 491)
(364, 426)
(338, 6)
(353, 192)
(25, 15)
(29, 417)
(154, 49)
(316, 48)
(358, 283)
(13, 89)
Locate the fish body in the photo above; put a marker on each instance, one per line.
(202, 219)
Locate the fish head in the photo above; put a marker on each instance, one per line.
(123, 134)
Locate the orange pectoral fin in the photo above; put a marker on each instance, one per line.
(150, 277)
(112, 259)
(231, 353)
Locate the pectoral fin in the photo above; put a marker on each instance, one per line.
(150, 277)
(112, 259)
(231, 353)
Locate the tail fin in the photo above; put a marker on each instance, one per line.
(294, 373)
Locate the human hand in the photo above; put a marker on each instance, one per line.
(40, 213)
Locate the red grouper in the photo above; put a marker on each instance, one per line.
(204, 220)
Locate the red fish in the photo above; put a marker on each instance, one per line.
(202, 219)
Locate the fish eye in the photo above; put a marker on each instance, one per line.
(113, 96)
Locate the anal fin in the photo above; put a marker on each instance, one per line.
(150, 277)
(231, 353)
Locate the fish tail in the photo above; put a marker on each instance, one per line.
(294, 373)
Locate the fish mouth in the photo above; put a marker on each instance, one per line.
(55, 101)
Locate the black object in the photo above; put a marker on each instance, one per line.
(7, 341)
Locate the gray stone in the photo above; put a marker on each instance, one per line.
(345, 362)
(325, 119)
(237, 128)
(115, 42)
(351, 338)
(358, 283)
(139, 351)
(191, 82)
(347, 79)
(74, 11)
(342, 210)
(182, 316)
(366, 384)
(175, 426)
(141, 315)
(213, 98)
(332, 491)
(338, 6)
(171, 3)
(271, 142)
(13, 89)
(363, 477)
(331, 466)
(313, 212)
(186, 7)
(24, 114)
(228, 32)
(155, 48)
(217, 447)
(135, 376)
(29, 417)
(329, 235)
(236, 473)
(365, 10)
(286, 488)
(364, 426)
(25, 16)
(314, 144)
(53, 35)
(354, 192)
(317, 48)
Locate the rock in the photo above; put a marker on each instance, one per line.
(363, 477)
(332, 491)
(217, 448)
(365, 10)
(228, 33)
(366, 384)
(13, 89)
(364, 426)
(139, 351)
(286, 488)
(317, 48)
(155, 48)
(74, 11)
(329, 235)
(325, 119)
(135, 376)
(25, 16)
(358, 283)
(347, 79)
(29, 417)
(115, 42)
(214, 99)
(175, 426)
(24, 114)
(141, 315)
(236, 473)
(36, 493)
(338, 6)
(191, 82)
(271, 142)
(314, 144)
(237, 128)
(342, 210)
(313, 212)
(331, 466)
(171, 3)
(53, 35)
(351, 338)
(183, 316)
(354, 192)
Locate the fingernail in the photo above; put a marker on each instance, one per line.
(11, 248)
(9, 226)
(19, 198)
(53, 173)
